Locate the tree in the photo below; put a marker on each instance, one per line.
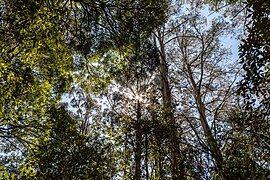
(248, 145)
(201, 82)
(129, 106)
(35, 66)
(66, 153)
(177, 166)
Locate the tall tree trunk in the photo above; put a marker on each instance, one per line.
(146, 155)
(125, 149)
(138, 144)
(177, 164)
(160, 164)
(211, 141)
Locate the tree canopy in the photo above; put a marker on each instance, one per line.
(124, 89)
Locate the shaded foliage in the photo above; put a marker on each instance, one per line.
(254, 53)
(66, 153)
(248, 148)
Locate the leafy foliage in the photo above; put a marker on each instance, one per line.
(38, 42)
(66, 153)
(254, 54)
(248, 148)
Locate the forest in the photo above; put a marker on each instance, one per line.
(135, 89)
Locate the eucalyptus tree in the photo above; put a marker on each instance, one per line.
(177, 166)
(201, 83)
(207, 85)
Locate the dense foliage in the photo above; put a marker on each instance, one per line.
(254, 53)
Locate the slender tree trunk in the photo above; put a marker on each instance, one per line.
(138, 148)
(125, 149)
(212, 143)
(177, 165)
(146, 155)
(160, 164)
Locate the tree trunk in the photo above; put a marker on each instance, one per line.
(138, 147)
(212, 143)
(177, 164)
(146, 155)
